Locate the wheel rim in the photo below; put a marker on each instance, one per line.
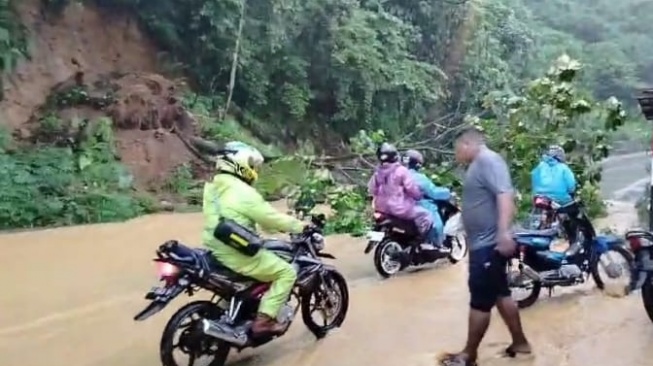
(197, 349)
(615, 267)
(458, 247)
(327, 301)
(388, 264)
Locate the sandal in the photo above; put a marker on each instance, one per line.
(452, 359)
(511, 352)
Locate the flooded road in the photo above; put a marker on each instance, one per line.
(69, 295)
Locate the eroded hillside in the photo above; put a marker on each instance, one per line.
(82, 57)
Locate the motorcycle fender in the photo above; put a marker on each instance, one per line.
(603, 243)
(370, 246)
(454, 225)
(158, 303)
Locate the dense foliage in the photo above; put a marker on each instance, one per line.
(309, 74)
(67, 185)
(303, 67)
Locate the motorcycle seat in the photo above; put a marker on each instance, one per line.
(545, 233)
(205, 260)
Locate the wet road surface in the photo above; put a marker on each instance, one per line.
(69, 295)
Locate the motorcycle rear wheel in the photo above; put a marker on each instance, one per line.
(197, 341)
(535, 289)
(385, 266)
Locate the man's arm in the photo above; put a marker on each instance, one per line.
(434, 192)
(496, 177)
(269, 218)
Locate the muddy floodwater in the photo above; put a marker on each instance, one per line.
(69, 295)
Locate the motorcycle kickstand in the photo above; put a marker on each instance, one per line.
(550, 291)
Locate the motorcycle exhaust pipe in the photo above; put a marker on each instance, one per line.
(530, 272)
(225, 333)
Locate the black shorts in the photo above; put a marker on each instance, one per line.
(488, 280)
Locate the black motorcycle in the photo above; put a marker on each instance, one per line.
(212, 328)
(641, 244)
(399, 245)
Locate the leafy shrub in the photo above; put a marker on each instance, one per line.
(50, 186)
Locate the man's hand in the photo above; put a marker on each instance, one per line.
(506, 244)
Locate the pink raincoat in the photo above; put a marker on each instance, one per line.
(396, 193)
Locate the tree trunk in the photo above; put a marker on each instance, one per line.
(234, 63)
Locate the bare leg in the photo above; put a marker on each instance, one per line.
(479, 321)
(510, 315)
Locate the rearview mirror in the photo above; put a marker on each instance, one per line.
(318, 220)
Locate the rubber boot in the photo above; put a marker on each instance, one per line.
(264, 325)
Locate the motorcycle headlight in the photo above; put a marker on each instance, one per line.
(318, 241)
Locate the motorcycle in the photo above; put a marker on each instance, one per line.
(213, 328)
(540, 267)
(641, 244)
(543, 213)
(398, 243)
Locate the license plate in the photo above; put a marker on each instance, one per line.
(375, 235)
(156, 292)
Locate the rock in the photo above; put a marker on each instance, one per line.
(167, 206)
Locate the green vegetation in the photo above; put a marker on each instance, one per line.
(53, 186)
(299, 78)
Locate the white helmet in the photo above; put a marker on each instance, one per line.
(241, 160)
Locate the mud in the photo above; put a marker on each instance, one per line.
(69, 296)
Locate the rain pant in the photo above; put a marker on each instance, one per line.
(396, 193)
(227, 196)
(432, 193)
(554, 180)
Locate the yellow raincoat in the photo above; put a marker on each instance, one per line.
(229, 197)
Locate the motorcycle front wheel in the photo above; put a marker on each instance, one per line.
(330, 297)
(622, 252)
(459, 248)
(192, 341)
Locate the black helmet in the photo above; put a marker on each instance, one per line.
(414, 159)
(387, 153)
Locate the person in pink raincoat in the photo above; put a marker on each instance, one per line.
(395, 192)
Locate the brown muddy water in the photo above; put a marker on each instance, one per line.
(69, 295)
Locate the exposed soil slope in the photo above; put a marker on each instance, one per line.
(104, 53)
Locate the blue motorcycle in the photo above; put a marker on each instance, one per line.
(539, 267)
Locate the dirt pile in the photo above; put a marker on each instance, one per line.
(106, 57)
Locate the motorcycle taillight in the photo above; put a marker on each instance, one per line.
(635, 243)
(378, 216)
(542, 202)
(166, 270)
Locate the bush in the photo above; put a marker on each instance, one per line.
(51, 186)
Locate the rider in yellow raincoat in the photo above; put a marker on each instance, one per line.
(231, 195)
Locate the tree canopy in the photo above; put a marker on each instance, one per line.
(330, 77)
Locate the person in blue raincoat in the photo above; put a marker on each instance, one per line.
(553, 178)
(414, 160)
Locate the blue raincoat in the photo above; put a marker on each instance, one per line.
(431, 192)
(554, 180)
